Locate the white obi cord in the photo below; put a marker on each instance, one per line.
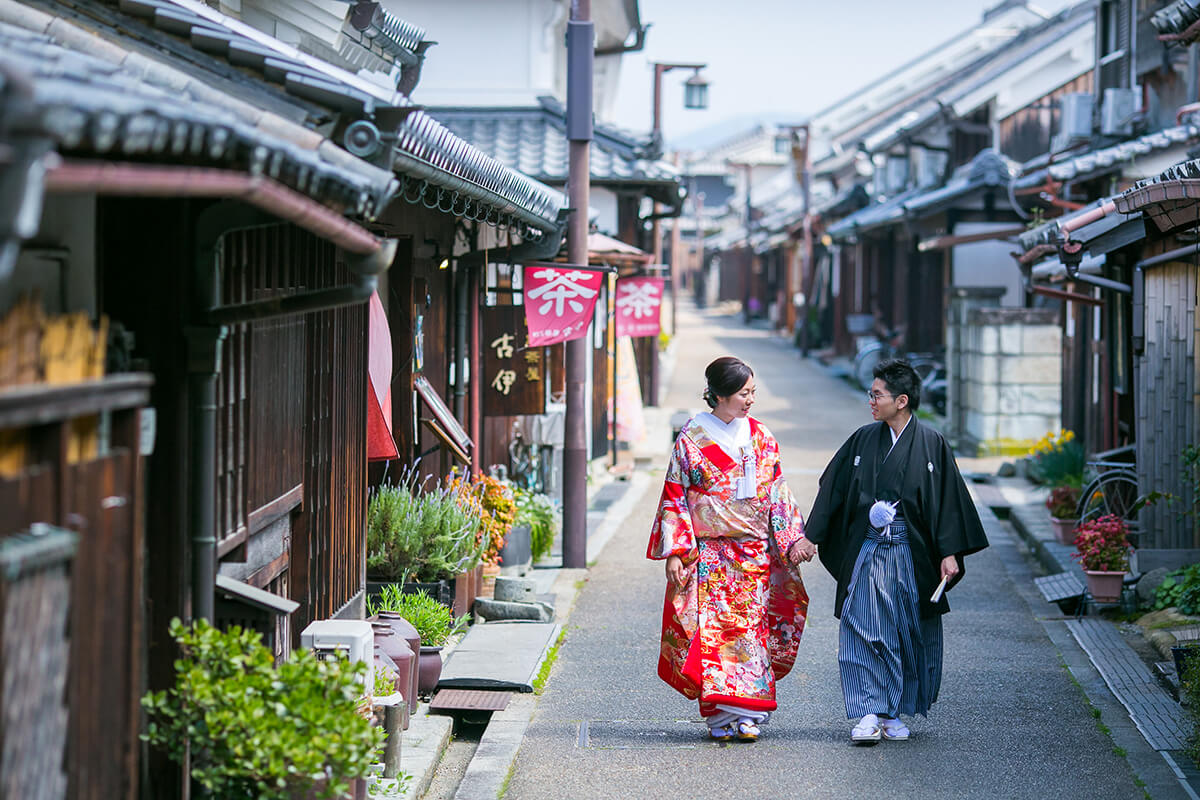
(747, 485)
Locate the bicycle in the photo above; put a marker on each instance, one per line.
(525, 464)
(929, 368)
(1114, 490)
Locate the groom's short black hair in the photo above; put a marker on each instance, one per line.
(900, 378)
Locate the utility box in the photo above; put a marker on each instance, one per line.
(1117, 111)
(351, 639)
(1074, 121)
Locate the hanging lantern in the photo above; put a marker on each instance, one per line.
(695, 92)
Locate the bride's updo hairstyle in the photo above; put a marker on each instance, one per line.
(725, 377)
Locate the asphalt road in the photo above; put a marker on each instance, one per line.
(1010, 721)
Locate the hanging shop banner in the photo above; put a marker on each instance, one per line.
(514, 374)
(559, 302)
(639, 301)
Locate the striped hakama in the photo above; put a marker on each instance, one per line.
(890, 658)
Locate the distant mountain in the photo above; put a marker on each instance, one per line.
(714, 134)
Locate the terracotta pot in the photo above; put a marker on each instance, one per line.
(398, 649)
(490, 573)
(1064, 530)
(404, 629)
(1105, 587)
(464, 594)
(430, 669)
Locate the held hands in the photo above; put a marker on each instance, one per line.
(677, 573)
(802, 550)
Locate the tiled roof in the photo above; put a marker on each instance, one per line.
(436, 167)
(533, 140)
(1108, 159)
(93, 108)
(985, 170)
(1178, 22)
(886, 213)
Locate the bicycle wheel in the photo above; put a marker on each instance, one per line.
(865, 363)
(1113, 492)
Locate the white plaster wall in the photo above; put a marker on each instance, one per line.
(986, 263)
(68, 222)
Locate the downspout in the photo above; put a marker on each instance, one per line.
(204, 361)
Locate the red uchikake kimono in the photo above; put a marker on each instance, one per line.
(734, 629)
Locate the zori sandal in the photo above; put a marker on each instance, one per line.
(722, 733)
(867, 731)
(894, 730)
(747, 731)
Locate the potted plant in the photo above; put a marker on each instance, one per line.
(1056, 459)
(538, 512)
(423, 538)
(1062, 503)
(1102, 549)
(252, 729)
(434, 623)
(497, 508)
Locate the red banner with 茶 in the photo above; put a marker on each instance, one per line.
(559, 302)
(639, 301)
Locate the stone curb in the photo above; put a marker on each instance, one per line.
(423, 744)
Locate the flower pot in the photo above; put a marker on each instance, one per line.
(490, 572)
(516, 556)
(1064, 530)
(1105, 587)
(404, 629)
(464, 593)
(429, 669)
(397, 649)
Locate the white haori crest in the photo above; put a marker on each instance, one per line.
(857, 459)
(734, 438)
(930, 465)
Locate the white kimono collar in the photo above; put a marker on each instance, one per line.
(731, 437)
(734, 438)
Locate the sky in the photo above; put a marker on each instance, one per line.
(785, 58)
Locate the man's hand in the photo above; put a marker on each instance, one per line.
(677, 573)
(949, 568)
(802, 550)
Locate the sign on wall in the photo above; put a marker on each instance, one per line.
(559, 302)
(638, 303)
(514, 373)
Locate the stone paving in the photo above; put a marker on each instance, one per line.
(607, 727)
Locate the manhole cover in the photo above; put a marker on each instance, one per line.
(641, 734)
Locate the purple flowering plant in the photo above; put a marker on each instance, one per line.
(1102, 545)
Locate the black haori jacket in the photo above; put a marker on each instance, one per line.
(922, 473)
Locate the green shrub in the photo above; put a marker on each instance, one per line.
(434, 622)
(1189, 684)
(421, 536)
(1180, 589)
(541, 515)
(256, 729)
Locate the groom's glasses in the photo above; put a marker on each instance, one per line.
(875, 397)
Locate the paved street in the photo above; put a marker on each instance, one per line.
(1010, 722)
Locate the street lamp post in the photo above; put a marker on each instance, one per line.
(695, 96)
(580, 53)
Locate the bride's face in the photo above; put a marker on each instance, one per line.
(738, 404)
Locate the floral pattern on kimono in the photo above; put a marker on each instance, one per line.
(734, 628)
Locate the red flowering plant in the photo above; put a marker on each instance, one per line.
(1063, 501)
(1102, 545)
(496, 506)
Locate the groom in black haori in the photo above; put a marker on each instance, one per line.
(892, 521)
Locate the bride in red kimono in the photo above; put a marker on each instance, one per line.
(732, 537)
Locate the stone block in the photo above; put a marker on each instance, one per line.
(982, 427)
(1031, 370)
(984, 397)
(1041, 340)
(511, 589)
(491, 609)
(985, 369)
(1025, 426)
(1010, 340)
(1045, 400)
(989, 340)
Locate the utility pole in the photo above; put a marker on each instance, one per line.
(580, 44)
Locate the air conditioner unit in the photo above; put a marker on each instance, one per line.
(1074, 122)
(1117, 110)
(351, 639)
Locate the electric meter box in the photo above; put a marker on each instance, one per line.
(351, 639)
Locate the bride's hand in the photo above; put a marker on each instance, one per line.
(802, 550)
(677, 573)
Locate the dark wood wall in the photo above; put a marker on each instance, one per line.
(1027, 133)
